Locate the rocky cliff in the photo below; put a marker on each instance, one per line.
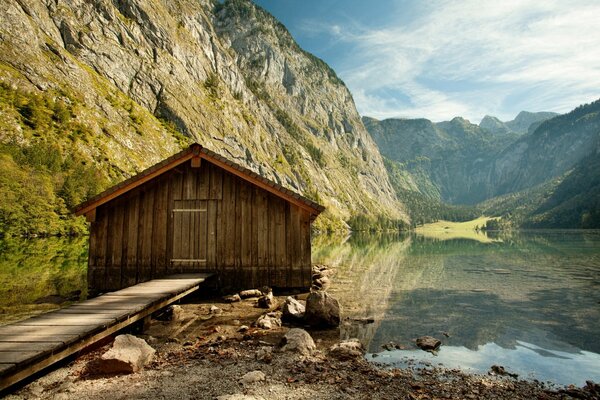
(118, 85)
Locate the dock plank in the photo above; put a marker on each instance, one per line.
(29, 346)
(17, 357)
(5, 368)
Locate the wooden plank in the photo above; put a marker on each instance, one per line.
(238, 224)
(40, 347)
(31, 338)
(254, 238)
(159, 229)
(11, 357)
(305, 248)
(202, 234)
(272, 242)
(295, 247)
(216, 182)
(100, 271)
(92, 251)
(115, 246)
(229, 223)
(5, 368)
(245, 222)
(145, 236)
(129, 276)
(202, 183)
(211, 240)
(63, 320)
(52, 331)
(281, 273)
(263, 248)
(189, 184)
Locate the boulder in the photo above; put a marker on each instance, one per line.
(322, 310)
(253, 377)
(293, 310)
(244, 294)
(128, 354)
(267, 301)
(428, 343)
(299, 341)
(347, 350)
(269, 320)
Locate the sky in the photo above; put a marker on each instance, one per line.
(441, 59)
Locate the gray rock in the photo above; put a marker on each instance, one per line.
(245, 294)
(128, 354)
(215, 310)
(298, 341)
(428, 343)
(322, 310)
(243, 328)
(269, 320)
(253, 377)
(267, 301)
(348, 349)
(293, 310)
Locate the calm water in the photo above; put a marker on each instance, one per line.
(40, 275)
(529, 302)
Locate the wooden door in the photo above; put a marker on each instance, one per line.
(190, 235)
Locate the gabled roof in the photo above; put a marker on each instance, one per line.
(197, 151)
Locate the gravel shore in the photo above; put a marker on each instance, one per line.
(203, 354)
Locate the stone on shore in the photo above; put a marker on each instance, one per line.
(428, 343)
(245, 294)
(322, 310)
(347, 350)
(267, 301)
(128, 354)
(298, 341)
(253, 377)
(269, 320)
(293, 310)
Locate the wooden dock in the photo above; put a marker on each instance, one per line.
(31, 345)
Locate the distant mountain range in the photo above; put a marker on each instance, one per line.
(523, 123)
(539, 169)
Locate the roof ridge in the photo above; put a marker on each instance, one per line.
(178, 158)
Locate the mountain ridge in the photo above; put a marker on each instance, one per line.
(138, 80)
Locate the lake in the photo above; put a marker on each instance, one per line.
(528, 301)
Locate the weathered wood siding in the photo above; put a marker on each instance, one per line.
(200, 220)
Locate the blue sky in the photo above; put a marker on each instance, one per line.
(441, 59)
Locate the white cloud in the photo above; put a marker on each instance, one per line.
(471, 58)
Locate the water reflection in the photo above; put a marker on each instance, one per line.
(533, 298)
(38, 275)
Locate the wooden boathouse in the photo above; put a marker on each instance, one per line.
(198, 212)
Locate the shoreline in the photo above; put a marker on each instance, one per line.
(203, 354)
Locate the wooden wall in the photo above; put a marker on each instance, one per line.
(197, 220)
